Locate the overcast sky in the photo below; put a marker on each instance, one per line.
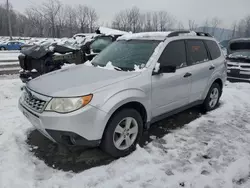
(227, 10)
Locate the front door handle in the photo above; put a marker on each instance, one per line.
(187, 75)
(211, 67)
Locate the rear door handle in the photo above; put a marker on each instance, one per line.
(211, 67)
(187, 75)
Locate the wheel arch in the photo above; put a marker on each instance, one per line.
(215, 80)
(136, 105)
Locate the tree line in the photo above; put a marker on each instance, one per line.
(55, 19)
(49, 19)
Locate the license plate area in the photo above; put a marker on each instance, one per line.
(35, 121)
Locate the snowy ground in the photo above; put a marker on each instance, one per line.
(212, 151)
(9, 56)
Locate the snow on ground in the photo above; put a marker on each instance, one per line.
(6, 56)
(210, 152)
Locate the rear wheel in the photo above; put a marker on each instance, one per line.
(2, 48)
(122, 133)
(213, 97)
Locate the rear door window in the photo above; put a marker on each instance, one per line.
(196, 52)
(213, 48)
(174, 54)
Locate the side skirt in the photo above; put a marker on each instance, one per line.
(176, 111)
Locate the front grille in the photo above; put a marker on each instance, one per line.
(245, 76)
(245, 66)
(230, 65)
(33, 102)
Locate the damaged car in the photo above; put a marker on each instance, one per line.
(53, 54)
(238, 60)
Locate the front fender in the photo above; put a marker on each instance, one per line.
(115, 101)
(125, 96)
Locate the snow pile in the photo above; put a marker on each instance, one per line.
(67, 65)
(191, 33)
(157, 67)
(33, 70)
(109, 31)
(139, 68)
(110, 66)
(88, 63)
(210, 152)
(153, 35)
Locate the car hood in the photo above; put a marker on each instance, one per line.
(77, 80)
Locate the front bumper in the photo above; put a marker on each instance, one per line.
(238, 75)
(237, 79)
(83, 127)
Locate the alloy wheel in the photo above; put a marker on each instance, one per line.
(125, 133)
(214, 96)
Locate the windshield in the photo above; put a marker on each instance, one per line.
(241, 45)
(99, 44)
(241, 54)
(126, 54)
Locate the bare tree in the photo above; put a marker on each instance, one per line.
(206, 26)
(148, 22)
(92, 18)
(82, 16)
(155, 23)
(192, 25)
(134, 18)
(215, 23)
(180, 26)
(50, 10)
(247, 27)
(166, 21)
(234, 27)
(121, 21)
(36, 20)
(71, 21)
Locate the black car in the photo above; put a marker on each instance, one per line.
(238, 60)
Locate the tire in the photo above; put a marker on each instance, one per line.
(215, 90)
(2, 49)
(115, 141)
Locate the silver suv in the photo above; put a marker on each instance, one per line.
(139, 79)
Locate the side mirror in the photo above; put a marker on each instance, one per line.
(166, 69)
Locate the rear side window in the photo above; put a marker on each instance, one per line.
(213, 48)
(197, 52)
(174, 54)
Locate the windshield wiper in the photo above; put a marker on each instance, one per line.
(117, 68)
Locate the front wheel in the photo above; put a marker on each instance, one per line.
(213, 97)
(123, 132)
(2, 48)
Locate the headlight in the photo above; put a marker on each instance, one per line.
(66, 105)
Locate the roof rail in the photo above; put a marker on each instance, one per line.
(177, 33)
(203, 34)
